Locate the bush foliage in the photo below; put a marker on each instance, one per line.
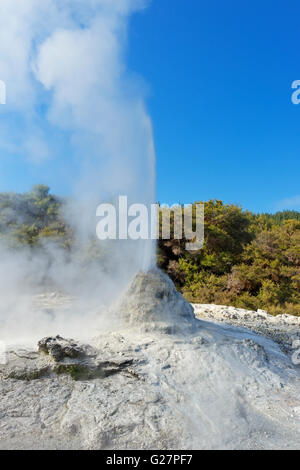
(248, 260)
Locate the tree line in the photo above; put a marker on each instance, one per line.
(248, 260)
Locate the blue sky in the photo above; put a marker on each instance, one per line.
(218, 77)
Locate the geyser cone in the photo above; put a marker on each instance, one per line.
(153, 303)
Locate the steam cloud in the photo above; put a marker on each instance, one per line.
(68, 86)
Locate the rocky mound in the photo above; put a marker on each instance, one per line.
(59, 348)
(153, 303)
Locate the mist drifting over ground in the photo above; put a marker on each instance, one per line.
(64, 65)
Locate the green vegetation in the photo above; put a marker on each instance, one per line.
(31, 218)
(248, 260)
(77, 371)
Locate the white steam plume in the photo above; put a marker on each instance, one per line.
(67, 56)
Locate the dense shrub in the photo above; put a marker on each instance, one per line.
(248, 260)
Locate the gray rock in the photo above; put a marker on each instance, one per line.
(59, 348)
(153, 303)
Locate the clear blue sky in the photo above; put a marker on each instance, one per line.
(219, 78)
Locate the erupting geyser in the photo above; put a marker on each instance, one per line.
(158, 378)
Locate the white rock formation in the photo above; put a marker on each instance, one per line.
(152, 303)
(284, 329)
(153, 384)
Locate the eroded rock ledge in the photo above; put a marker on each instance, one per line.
(60, 356)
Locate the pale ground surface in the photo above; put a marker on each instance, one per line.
(204, 385)
(284, 329)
